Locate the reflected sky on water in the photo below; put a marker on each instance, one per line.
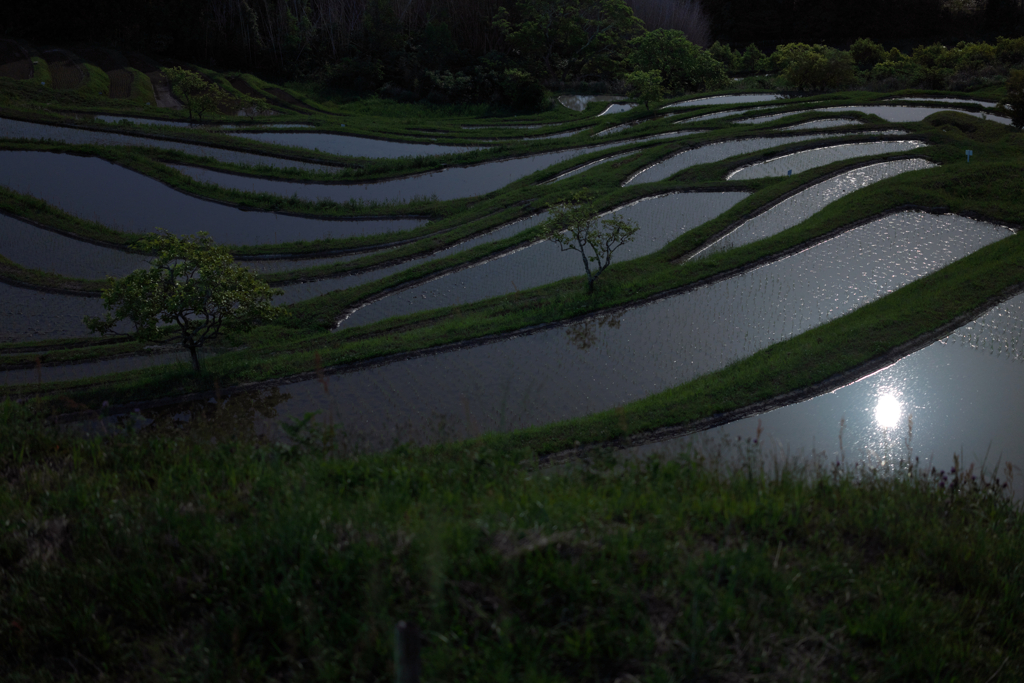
(961, 395)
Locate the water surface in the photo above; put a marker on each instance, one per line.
(350, 145)
(706, 154)
(575, 370)
(897, 114)
(959, 396)
(95, 189)
(724, 99)
(75, 136)
(813, 158)
(455, 182)
(661, 220)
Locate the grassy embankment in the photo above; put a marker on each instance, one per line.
(167, 558)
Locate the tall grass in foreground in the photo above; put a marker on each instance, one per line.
(160, 557)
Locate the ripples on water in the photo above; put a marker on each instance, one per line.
(799, 162)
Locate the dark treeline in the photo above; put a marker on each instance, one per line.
(296, 35)
(905, 23)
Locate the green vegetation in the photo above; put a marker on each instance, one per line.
(191, 283)
(159, 557)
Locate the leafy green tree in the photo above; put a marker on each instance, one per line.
(196, 93)
(575, 226)
(815, 67)
(193, 284)
(1014, 100)
(252, 107)
(646, 85)
(866, 53)
(683, 65)
(567, 38)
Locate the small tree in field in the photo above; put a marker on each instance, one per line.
(191, 283)
(646, 85)
(574, 226)
(252, 107)
(197, 94)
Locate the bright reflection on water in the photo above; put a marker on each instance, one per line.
(813, 158)
(959, 396)
(607, 361)
(801, 206)
(888, 411)
(95, 189)
(350, 145)
(716, 151)
(661, 220)
(74, 136)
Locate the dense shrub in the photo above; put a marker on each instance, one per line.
(815, 67)
(1014, 99)
(866, 53)
(683, 65)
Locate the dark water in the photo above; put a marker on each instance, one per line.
(63, 373)
(39, 249)
(798, 208)
(28, 315)
(449, 183)
(307, 290)
(813, 158)
(95, 189)
(350, 145)
(897, 114)
(724, 99)
(961, 395)
(574, 370)
(74, 136)
(106, 118)
(661, 220)
(707, 154)
(821, 123)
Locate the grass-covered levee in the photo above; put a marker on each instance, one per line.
(140, 556)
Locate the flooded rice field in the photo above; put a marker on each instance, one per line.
(824, 123)
(725, 99)
(39, 249)
(31, 315)
(799, 162)
(960, 396)
(74, 136)
(573, 370)
(661, 220)
(94, 189)
(587, 166)
(801, 206)
(352, 146)
(106, 118)
(706, 154)
(68, 372)
(898, 114)
(455, 182)
(301, 291)
(616, 109)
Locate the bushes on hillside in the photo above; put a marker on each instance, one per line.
(683, 65)
(814, 67)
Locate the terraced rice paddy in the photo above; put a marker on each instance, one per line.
(94, 189)
(661, 219)
(12, 129)
(957, 397)
(576, 363)
(813, 158)
(348, 145)
(598, 364)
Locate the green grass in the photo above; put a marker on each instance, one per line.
(159, 558)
